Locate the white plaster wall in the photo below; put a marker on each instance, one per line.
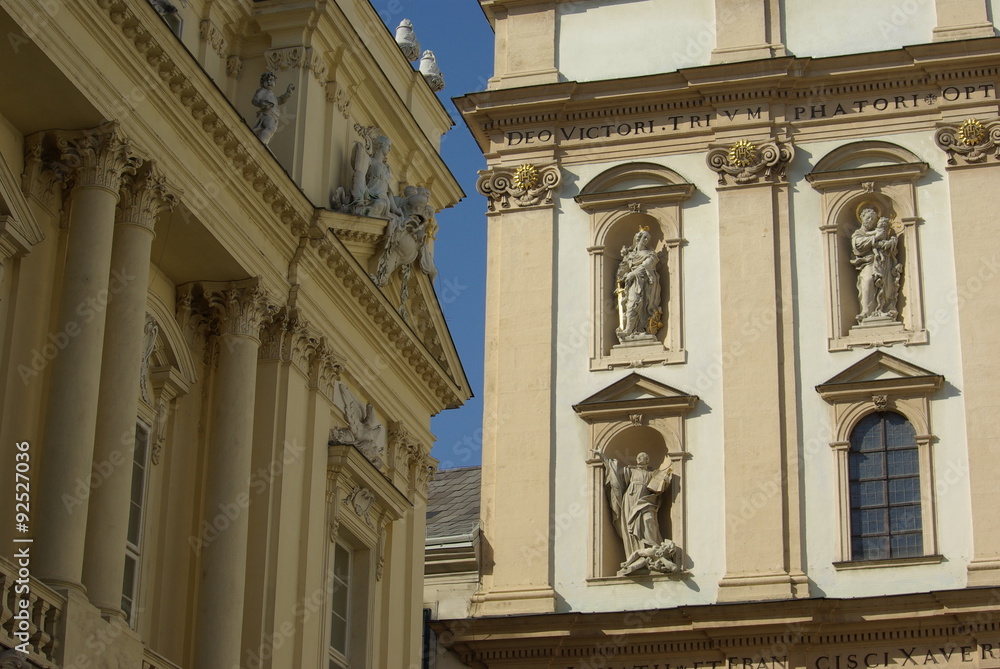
(942, 356)
(598, 39)
(574, 382)
(819, 29)
(993, 7)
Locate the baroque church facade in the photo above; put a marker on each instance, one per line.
(741, 378)
(221, 345)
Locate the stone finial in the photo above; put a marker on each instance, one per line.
(432, 73)
(407, 40)
(746, 162)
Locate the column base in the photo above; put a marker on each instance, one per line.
(984, 572)
(90, 640)
(514, 601)
(735, 54)
(757, 587)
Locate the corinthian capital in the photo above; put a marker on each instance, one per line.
(239, 307)
(144, 196)
(97, 157)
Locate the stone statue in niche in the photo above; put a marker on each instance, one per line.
(633, 493)
(874, 247)
(364, 431)
(637, 291)
(267, 104)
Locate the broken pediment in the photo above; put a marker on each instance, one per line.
(635, 394)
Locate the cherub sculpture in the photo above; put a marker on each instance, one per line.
(267, 104)
(653, 558)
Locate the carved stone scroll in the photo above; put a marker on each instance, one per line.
(525, 186)
(747, 162)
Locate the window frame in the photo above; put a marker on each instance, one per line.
(881, 382)
(133, 550)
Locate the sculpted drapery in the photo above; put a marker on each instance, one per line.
(634, 496)
(638, 291)
(873, 254)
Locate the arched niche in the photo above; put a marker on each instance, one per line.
(631, 416)
(882, 176)
(620, 200)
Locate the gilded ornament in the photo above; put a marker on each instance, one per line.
(743, 153)
(526, 177)
(971, 132)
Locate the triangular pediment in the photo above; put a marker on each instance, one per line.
(633, 393)
(881, 371)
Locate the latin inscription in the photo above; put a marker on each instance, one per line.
(612, 129)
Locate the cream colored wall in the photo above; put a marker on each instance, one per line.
(703, 486)
(856, 26)
(597, 40)
(941, 356)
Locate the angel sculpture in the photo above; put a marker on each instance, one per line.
(370, 193)
(407, 239)
(363, 431)
(657, 558)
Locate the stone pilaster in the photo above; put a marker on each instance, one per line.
(238, 309)
(961, 19)
(762, 551)
(94, 162)
(973, 147)
(143, 198)
(517, 416)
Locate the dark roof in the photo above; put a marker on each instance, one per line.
(453, 502)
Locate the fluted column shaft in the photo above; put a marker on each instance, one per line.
(241, 308)
(98, 160)
(143, 199)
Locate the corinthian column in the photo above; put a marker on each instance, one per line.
(96, 161)
(142, 200)
(240, 308)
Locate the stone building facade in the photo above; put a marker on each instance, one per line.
(742, 379)
(220, 343)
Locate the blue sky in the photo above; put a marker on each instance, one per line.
(462, 41)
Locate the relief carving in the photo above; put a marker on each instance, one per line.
(971, 139)
(527, 186)
(364, 431)
(746, 162)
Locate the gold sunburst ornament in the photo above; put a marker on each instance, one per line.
(743, 153)
(971, 132)
(526, 177)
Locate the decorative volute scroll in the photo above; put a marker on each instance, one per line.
(972, 140)
(748, 162)
(525, 186)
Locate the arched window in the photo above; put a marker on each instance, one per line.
(884, 470)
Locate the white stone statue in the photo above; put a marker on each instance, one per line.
(634, 496)
(637, 291)
(432, 73)
(407, 40)
(874, 247)
(655, 558)
(408, 238)
(364, 431)
(370, 194)
(267, 104)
